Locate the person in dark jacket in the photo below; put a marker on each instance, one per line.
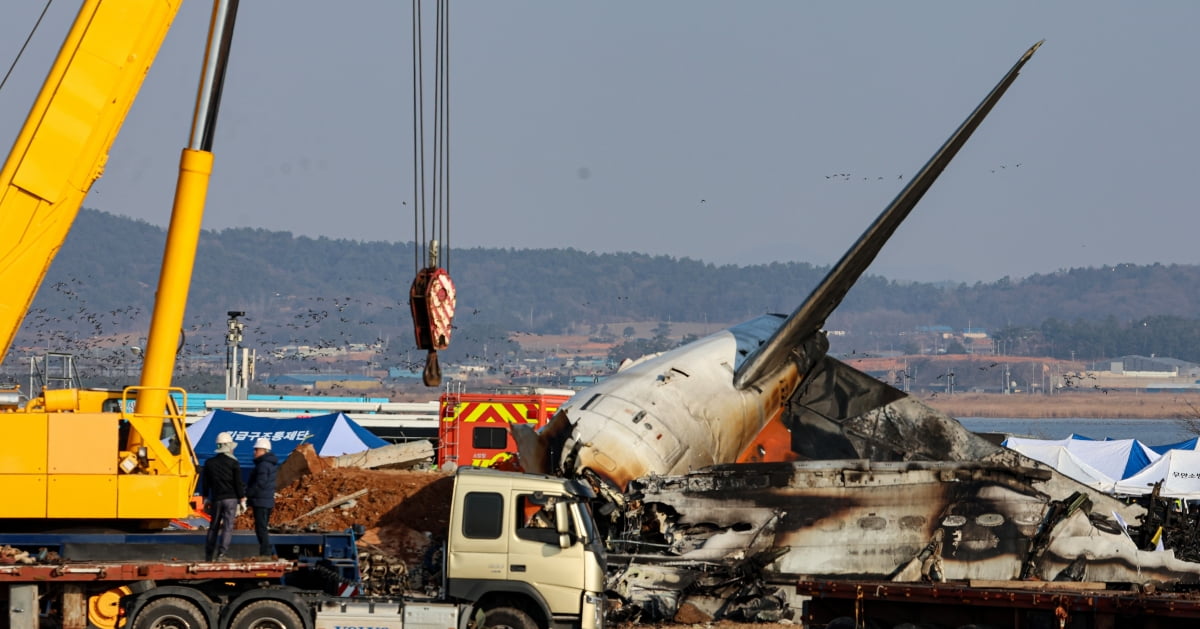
(224, 497)
(261, 492)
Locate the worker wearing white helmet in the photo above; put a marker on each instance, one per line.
(260, 491)
(224, 497)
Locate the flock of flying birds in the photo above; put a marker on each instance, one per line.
(1070, 380)
(309, 334)
(860, 177)
(110, 341)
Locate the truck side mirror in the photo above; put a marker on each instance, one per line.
(562, 517)
(562, 523)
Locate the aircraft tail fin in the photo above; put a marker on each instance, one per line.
(812, 313)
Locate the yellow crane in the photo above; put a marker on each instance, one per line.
(86, 455)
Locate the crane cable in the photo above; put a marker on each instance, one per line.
(28, 38)
(441, 140)
(418, 128)
(432, 295)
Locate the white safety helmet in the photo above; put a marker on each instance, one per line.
(223, 438)
(263, 443)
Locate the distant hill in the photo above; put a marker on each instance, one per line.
(303, 290)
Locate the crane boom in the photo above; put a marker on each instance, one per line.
(62, 148)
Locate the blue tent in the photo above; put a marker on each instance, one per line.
(1189, 444)
(330, 435)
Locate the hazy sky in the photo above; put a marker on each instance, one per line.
(687, 128)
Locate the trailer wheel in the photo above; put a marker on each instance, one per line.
(507, 618)
(170, 612)
(266, 614)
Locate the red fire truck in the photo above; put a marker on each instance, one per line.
(473, 428)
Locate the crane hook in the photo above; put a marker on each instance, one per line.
(432, 299)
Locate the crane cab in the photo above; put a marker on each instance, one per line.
(83, 454)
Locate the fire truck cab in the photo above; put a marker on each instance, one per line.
(473, 428)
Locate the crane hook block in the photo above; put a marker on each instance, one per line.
(432, 300)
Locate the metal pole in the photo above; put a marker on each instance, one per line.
(212, 77)
(183, 233)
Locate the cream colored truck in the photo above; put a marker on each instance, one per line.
(522, 552)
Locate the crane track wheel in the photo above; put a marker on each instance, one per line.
(432, 300)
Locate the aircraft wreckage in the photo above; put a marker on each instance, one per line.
(750, 458)
(912, 521)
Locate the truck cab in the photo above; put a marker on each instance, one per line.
(524, 548)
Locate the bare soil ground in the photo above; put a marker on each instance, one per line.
(403, 511)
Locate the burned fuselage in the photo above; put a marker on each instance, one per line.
(890, 489)
(902, 521)
(850, 519)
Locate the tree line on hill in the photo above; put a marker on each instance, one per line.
(328, 293)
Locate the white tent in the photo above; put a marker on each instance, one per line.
(1113, 458)
(1117, 458)
(1060, 457)
(1016, 443)
(1178, 470)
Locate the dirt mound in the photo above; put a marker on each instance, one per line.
(403, 511)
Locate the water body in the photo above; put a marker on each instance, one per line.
(1149, 431)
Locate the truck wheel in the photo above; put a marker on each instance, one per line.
(266, 614)
(170, 612)
(507, 618)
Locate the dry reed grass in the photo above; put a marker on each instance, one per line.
(1114, 404)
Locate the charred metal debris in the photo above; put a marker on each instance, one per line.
(729, 541)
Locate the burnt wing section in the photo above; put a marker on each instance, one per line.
(827, 398)
(840, 413)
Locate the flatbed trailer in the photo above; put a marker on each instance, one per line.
(333, 551)
(75, 580)
(1018, 604)
(93, 571)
